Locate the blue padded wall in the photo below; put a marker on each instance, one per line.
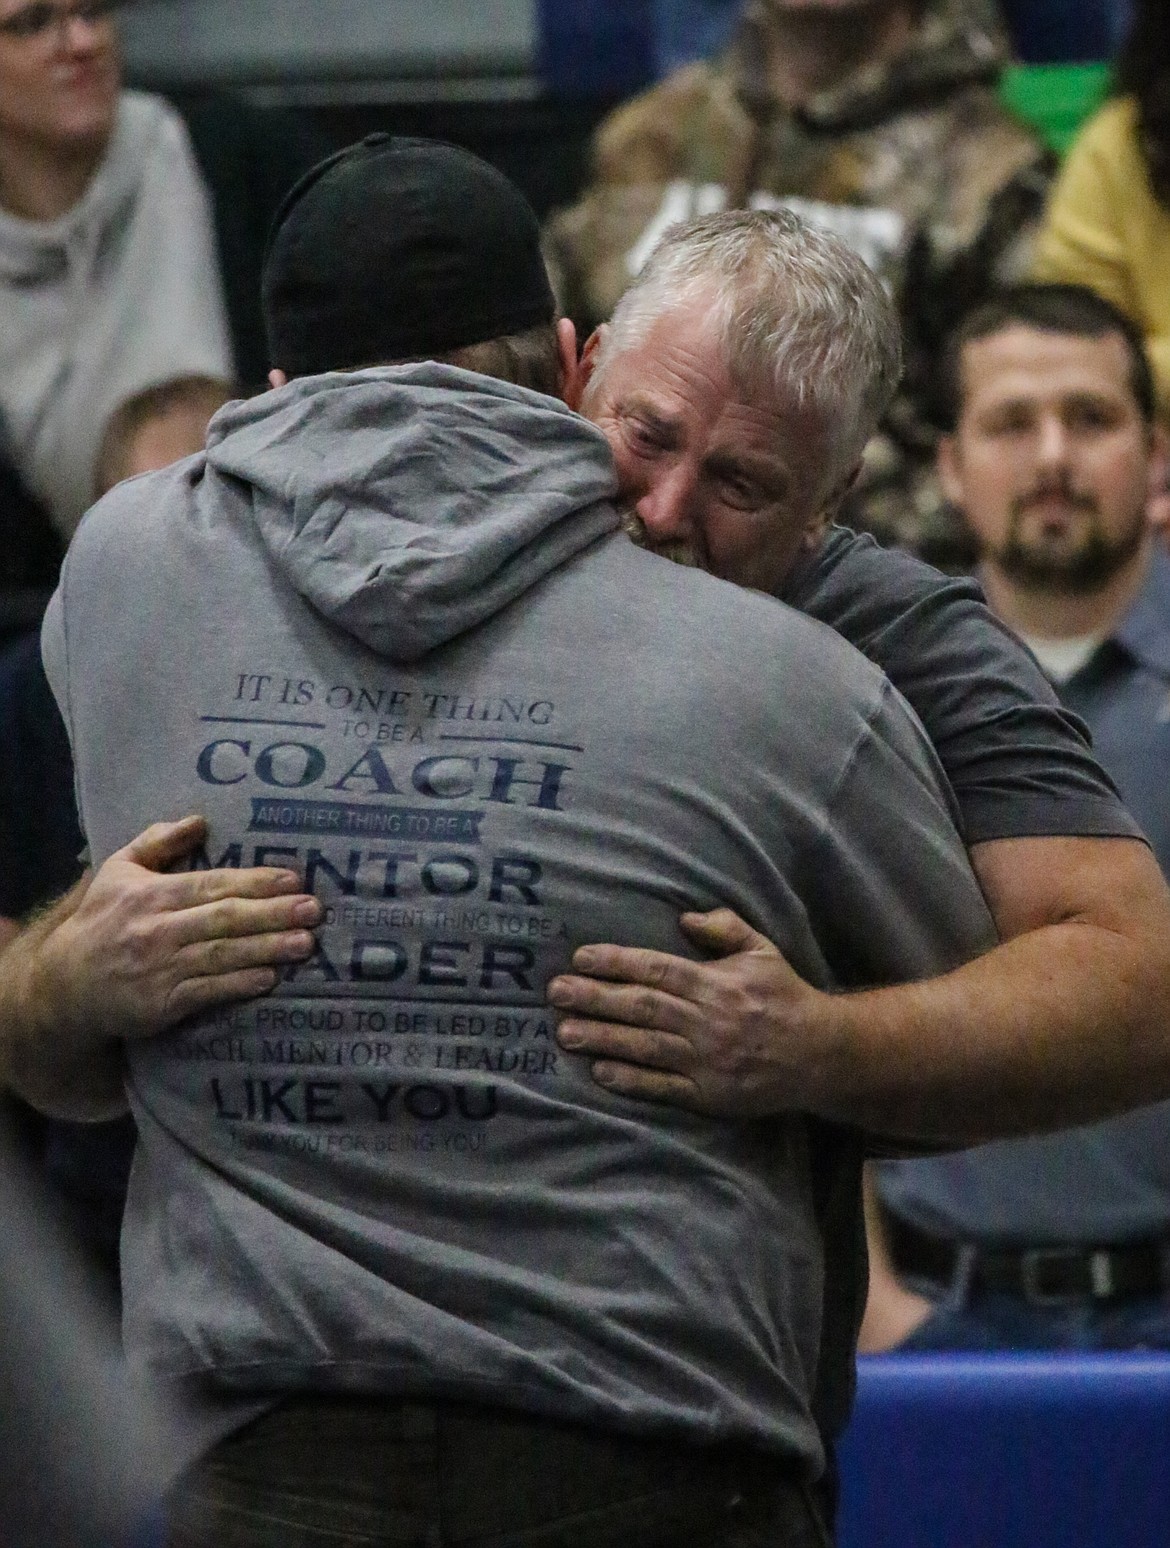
(1008, 1451)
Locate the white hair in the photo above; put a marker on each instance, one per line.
(797, 312)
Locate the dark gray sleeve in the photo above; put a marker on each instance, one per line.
(1020, 765)
(889, 889)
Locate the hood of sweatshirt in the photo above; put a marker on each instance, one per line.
(409, 503)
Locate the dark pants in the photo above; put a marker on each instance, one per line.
(336, 1470)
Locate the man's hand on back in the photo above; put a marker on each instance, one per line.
(130, 952)
(141, 950)
(1021, 1039)
(733, 1037)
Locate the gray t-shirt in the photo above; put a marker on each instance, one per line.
(1019, 762)
(420, 665)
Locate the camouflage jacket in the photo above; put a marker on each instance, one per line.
(914, 161)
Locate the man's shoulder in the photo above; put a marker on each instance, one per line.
(1143, 630)
(925, 629)
(759, 634)
(134, 522)
(851, 569)
(150, 122)
(758, 684)
(1111, 128)
(984, 147)
(977, 116)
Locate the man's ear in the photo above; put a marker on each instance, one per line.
(571, 384)
(591, 354)
(830, 508)
(277, 378)
(950, 475)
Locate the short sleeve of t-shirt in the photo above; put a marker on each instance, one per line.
(1020, 765)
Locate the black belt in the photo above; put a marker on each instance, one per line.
(1055, 1276)
(1043, 1276)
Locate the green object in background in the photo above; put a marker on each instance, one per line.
(1055, 98)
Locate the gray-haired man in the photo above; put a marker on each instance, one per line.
(736, 317)
(1027, 1036)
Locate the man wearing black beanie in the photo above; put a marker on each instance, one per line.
(417, 1277)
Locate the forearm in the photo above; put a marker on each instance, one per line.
(1067, 1021)
(42, 1058)
(1062, 1025)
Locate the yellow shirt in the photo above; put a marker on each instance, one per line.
(1104, 228)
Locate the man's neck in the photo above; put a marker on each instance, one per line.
(1065, 616)
(811, 52)
(42, 183)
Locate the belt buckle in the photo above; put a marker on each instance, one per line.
(1033, 1262)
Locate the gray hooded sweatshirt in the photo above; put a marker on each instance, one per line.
(386, 631)
(121, 293)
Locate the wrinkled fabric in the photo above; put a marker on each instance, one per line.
(407, 505)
